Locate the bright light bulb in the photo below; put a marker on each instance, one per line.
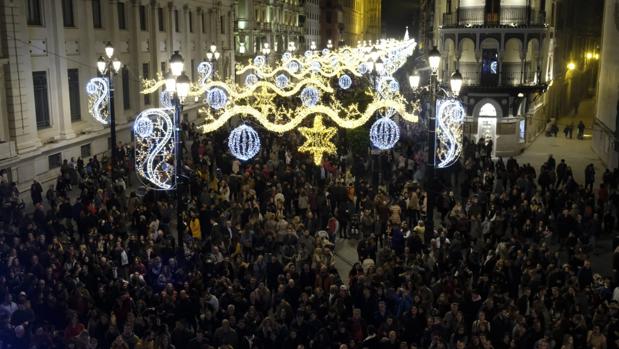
(109, 50)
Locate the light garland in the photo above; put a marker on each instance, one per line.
(205, 69)
(384, 133)
(449, 131)
(318, 140)
(244, 142)
(98, 99)
(154, 147)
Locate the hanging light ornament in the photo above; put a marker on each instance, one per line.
(310, 96)
(294, 66)
(362, 69)
(143, 127)
(251, 80)
(345, 82)
(286, 56)
(244, 142)
(259, 61)
(282, 81)
(216, 98)
(384, 133)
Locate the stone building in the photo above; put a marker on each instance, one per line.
(503, 49)
(48, 52)
(272, 22)
(606, 121)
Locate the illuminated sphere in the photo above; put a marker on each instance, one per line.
(259, 61)
(282, 81)
(394, 86)
(308, 54)
(362, 68)
(334, 61)
(310, 96)
(244, 142)
(143, 127)
(293, 66)
(286, 56)
(345, 82)
(315, 66)
(251, 80)
(325, 51)
(384, 133)
(216, 98)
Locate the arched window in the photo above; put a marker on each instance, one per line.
(487, 110)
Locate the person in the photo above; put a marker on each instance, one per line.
(589, 177)
(36, 191)
(581, 130)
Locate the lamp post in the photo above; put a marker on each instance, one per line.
(108, 68)
(177, 84)
(434, 59)
(213, 56)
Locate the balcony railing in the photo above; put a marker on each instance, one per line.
(507, 16)
(511, 78)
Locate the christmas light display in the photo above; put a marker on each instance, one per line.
(449, 130)
(282, 81)
(310, 96)
(244, 142)
(205, 70)
(98, 99)
(250, 80)
(216, 98)
(318, 140)
(345, 82)
(384, 133)
(154, 148)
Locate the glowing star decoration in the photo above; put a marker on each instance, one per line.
(282, 81)
(384, 133)
(216, 98)
(154, 148)
(251, 80)
(98, 99)
(244, 142)
(310, 96)
(345, 82)
(449, 131)
(318, 140)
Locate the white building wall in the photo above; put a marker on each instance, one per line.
(605, 127)
(54, 48)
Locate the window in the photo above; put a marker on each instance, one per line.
(54, 161)
(67, 13)
(190, 22)
(96, 13)
(192, 68)
(35, 17)
(203, 23)
(145, 73)
(142, 11)
(122, 23)
(125, 81)
(160, 19)
(176, 24)
(164, 65)
(85, 151)
(223, 24)
(41, 99)
(487, 110)
(74, 94)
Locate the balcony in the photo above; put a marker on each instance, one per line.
(513, 16)
(508, 79)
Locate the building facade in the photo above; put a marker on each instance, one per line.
(606, 121)
(311, 21)
(272, 22)
(331, 23)
(50, 52)
(362, 20)
(503, 49)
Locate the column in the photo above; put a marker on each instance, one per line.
(153, 46)
(87, 54)
(112, 26)
(523, 66)
(135, 57)
(18, 79)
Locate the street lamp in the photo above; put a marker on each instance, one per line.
(456, 82)
(329, 44)
(109, 67)
(178, 84)
(213, 56)
(434, 60)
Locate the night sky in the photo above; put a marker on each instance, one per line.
(397, 14)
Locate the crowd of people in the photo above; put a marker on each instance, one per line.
(508, 265)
